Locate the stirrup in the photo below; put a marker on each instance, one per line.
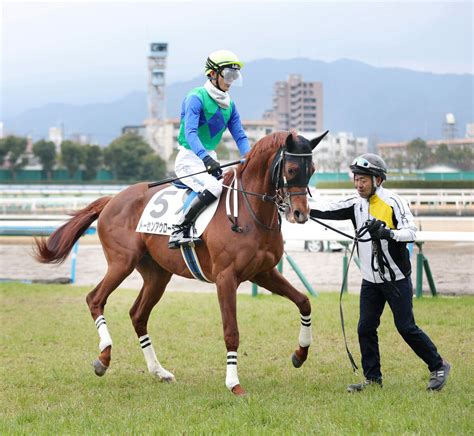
(173, 244)
(185, 241)
(176, 237)
(188, 241)
(180, 237)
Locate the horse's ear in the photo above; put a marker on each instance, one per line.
(314, 142)
(290, 143)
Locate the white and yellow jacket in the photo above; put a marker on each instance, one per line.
(388, 207)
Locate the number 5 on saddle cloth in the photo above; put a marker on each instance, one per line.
(165, 207)
(164, 210)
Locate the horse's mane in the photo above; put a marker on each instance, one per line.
(268, 143)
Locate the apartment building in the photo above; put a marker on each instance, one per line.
(298, 105)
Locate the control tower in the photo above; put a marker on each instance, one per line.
(157, 97)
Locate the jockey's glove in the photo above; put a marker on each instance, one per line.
(378, 230)
(212, 166)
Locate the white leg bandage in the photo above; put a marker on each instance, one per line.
(104, 335)
(306, 335)
(231, 378)
(152, 363)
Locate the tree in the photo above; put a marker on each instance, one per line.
(418, 153)
(72, 156)
(3, 150)
(443, 154)
(153, 168)
(463, 158)
(397, 162)
(46, 153)
(15, 149)
(125, 155)
(93, 158)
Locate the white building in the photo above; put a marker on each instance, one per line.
(255, 129)
(55, 135)
(81, 138)
(337, 151)
(470, 130)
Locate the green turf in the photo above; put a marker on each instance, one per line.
(48, 386)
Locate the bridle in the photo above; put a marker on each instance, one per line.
(282, 197)
(301, 180)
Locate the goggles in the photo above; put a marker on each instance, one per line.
(232, 76)
(364, 163)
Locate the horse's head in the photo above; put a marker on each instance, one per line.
(291, 170)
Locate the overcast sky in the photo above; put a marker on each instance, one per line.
(47, 41)
(95, 51)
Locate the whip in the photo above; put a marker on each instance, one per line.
(173, 179)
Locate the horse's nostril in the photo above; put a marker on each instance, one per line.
(299, 216)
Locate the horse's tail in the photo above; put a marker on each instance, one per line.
(56, 248)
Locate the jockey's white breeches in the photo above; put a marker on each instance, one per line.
(188, 163)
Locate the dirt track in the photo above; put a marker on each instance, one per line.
(452, 265)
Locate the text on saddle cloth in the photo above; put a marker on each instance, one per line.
(164, 210)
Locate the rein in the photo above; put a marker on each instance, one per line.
(361, 232)
(341, 313)
(264, 197)
(382, 262)
(253, 214)
(282, 197)
(356, 238)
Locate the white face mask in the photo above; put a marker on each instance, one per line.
(232, 76)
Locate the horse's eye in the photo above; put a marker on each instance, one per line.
(291, 171)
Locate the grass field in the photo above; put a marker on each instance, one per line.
(48, 386)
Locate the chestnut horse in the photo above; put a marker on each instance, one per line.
(278, 169)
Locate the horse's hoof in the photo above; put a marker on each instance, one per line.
(99, 367)
(168, 379)
(238, 391)
(163, 375)
(296, 362)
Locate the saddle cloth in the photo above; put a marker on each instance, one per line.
(165, 208)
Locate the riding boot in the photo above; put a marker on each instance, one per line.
(181, 233)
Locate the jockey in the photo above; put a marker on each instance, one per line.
(206, 113)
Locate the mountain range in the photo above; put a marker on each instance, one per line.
(383, 104)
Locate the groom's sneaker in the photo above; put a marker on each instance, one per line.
(361, 386)
(439, 377)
